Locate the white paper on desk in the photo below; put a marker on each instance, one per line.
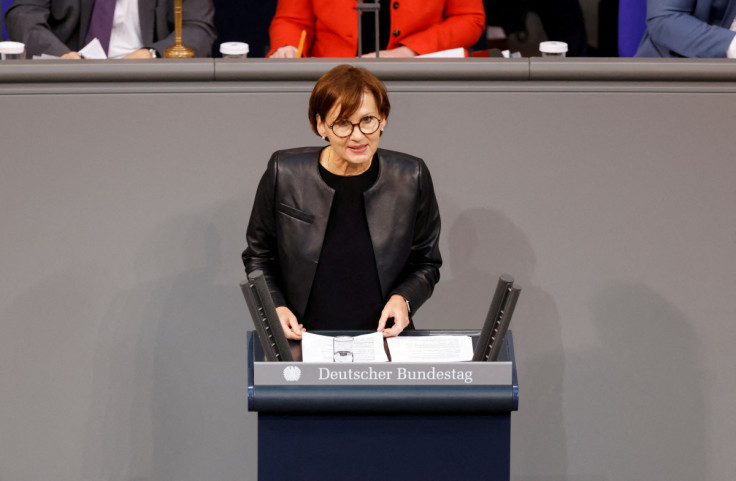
(451, 53)
(93, 50)
(366, 348)
(430, 348)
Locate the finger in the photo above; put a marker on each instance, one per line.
(382, 321)
(400, 323)
(287, 325)
(394, 331)
(296, 328)
(289, 332)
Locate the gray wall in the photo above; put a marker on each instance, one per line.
(124, 208)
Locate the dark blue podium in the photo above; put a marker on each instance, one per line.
(383, 421)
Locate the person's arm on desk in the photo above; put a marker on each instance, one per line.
(27, 21)
(437, 26)
(292, 17)
(673, 27)
(142, 53)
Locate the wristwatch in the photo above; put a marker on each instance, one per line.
(154, 53)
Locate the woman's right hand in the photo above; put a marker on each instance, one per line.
(287, 51)
(289, 323)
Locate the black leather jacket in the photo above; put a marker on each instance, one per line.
(289, 218)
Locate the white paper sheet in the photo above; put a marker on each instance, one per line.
(430, 348)
(366, 348)
(451, 53)
(93, 50)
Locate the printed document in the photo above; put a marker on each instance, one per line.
(366, 348)
(430, 348)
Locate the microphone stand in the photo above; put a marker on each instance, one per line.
(367, 7)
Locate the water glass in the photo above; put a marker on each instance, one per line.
(342, 348)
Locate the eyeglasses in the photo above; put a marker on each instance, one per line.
(344, 128)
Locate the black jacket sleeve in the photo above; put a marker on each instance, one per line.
(422, 270)
(30, 22)
(262, 251)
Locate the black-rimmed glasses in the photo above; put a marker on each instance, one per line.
(367, 125)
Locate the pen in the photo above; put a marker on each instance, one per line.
(300, 50)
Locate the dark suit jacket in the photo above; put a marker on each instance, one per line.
(57, 27)
(688, 28)
(290, 214)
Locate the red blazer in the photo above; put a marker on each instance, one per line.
(332, 25)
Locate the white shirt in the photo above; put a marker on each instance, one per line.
(126, 29)
(731, 52)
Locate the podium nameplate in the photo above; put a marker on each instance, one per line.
(383, 374)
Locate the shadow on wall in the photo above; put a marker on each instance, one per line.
(170, 396)
(639, 399)
(483, 244)
(44, 369)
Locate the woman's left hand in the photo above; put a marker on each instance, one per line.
(395, 307)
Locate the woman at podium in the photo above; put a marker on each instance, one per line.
(347, 235)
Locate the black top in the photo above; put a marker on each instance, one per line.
(368, 26)
(346, 293)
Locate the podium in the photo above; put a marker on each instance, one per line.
(383, 421)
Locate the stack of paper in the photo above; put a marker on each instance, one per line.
(370, 348)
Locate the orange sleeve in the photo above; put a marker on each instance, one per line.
(292, 16)
(460, 24)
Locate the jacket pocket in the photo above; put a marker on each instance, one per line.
(295, 213)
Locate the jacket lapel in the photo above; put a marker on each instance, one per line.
(390, 216)
(146, 16)
(85, 13)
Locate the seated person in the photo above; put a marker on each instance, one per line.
(408, 27)
(689, 28)
(140, 29)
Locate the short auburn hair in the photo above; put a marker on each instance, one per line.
(345, 85)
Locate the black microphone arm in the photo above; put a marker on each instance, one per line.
(497, 321)
(266, 321)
